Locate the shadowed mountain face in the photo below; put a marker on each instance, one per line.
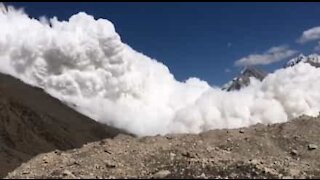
(33, 122)
(243, 79)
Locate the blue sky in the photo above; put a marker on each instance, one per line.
(199, 39)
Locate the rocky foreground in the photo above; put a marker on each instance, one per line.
(289, 150)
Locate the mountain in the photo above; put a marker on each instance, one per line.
(3, 8)
(32, 122)
(243, 79)
(313, 59)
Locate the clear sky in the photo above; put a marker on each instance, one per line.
(202, 40)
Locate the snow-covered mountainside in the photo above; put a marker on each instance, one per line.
(243, 79)
(313, 59)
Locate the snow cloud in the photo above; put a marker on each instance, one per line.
(83, 61)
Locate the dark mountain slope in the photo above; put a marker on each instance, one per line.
(32, 122)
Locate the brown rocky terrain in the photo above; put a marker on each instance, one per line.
(287, 150)
(32, 122)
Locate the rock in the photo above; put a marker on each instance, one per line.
(45, 161)
(109, 164)
(241, 131)
(294, 172)
(203, 176)
(25, 172)
(57, 152)
(72, 162)
(87, 177)
(68, 174)
(161, 174)
(254, 161)
(294, 152)
(169, 137)
(269, 171)
(96, 166)
(233, 175)
(107, 151)
(312, 147)
(188, 154)
(172, 156)
(287, 177)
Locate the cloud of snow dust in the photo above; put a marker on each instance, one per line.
(84, 63)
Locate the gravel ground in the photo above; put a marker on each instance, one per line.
(287, 150)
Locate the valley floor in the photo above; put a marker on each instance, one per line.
(288, 150)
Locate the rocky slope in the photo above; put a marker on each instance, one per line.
(32, 122)
(288, 150)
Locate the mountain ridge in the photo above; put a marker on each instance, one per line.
(243, 78)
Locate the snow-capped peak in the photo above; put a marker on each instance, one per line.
(243, 79)
(313, 59)
(3, 8)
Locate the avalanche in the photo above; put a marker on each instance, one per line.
(84, 63)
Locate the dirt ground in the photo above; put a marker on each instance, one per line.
(288, 150)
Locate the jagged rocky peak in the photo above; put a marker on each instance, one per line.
(313, 59)
(3, 8)
(254, 72)
(243, 79)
